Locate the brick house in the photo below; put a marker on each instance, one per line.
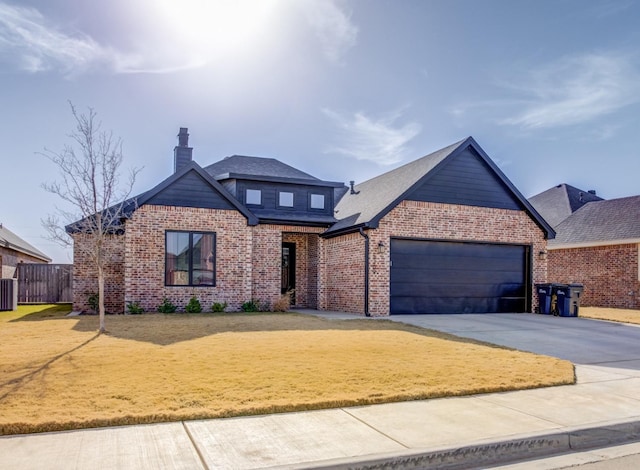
(597, 244)
(445, 233)
(14, 250)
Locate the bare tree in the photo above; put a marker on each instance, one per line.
(90, 183)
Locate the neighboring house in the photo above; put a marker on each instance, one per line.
(447, 233)
(599, 246)
(14, 250)
(558, 203)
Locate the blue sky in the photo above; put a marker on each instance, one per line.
(344, 90)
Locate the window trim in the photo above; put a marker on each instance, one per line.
(190, 270)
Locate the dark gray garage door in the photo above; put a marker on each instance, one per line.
(452, 277)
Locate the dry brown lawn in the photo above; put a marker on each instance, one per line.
(57, 373)
(612, 314)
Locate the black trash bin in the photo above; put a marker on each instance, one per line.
(569, 299)
(544, 298)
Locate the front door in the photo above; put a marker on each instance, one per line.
(289, 269)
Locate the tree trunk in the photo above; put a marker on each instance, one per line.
(101, 299)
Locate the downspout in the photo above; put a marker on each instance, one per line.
(366, 272)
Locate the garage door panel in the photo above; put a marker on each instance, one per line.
(450, 276)
(445, 290)
(456, 277)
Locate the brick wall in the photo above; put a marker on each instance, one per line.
(609, 274)
(267, 261)
(9, 260)
(343, 277)
(420, 220)
(85, 276)
(145, 256)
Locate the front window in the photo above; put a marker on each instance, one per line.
(190, 259)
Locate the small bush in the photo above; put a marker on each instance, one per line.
(134, 308)
(283, 304)
(166, 306)
(218, 307)
(251, 306)
(94, 301)
(193, 306)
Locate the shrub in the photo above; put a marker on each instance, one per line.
(218, 307)
(166, 306)
(193, 306)
(251, 306)
(94, 301)
(134, 308)
(283, 304)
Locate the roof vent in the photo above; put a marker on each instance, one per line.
(592, 191)
(353, 191)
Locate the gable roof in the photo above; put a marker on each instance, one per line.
(128, 207)
(558, 203)
(376, 197)
(243, 166)
(148, 196)
(11, 241)
(605, 222)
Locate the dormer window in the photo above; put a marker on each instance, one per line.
(253, 197)
(317, 201)
(285, 199)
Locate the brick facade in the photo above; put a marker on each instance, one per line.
(412, 219)
(85, 277)
(610, 274)
(248, 261)
(329, 272)
(145, 256)
(343, 276)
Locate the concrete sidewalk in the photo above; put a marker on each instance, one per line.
(602, 409)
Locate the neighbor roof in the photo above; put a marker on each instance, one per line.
(374, 198)
(10, 240)
(600, 223)
(255, 166)
(558, 203)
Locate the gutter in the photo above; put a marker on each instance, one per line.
(366, 272)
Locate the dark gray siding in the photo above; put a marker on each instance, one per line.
(466, 180)
(301, 197)
(191, 191)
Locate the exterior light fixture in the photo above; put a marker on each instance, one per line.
(381, 247)
(543, 254)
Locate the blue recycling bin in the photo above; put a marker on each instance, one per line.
(568, 298)
(544, 298)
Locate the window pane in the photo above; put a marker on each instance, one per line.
(177, 256)
(317, 201)
(286, 199)
(254, 196)
(203, 259)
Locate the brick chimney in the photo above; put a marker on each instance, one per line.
(182, 154)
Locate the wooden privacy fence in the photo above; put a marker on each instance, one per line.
(45, 283)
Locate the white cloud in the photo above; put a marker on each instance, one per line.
(27, 39)
(333, 28)
(378, 140)
(576, 90)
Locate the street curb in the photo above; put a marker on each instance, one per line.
(491, 453)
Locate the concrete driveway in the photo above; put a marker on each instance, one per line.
(579, 340)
